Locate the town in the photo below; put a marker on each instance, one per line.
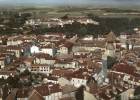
(67, 66)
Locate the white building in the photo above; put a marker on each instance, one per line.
(41, 68)
(50, 51)
(77, 82)
(2, 63)
(34, 49)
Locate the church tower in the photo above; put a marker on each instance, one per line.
(109, 52)
(110, 44)
(104, 65)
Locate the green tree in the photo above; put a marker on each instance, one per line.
(82, 31)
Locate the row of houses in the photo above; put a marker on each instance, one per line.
(52, 22)
(72, 62)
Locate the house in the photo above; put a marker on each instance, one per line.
(16, 49)
(88, 45)
(79, 77)
(59, 72)
(5, 59)
(28, 38)
(63, 81)
(48, 91)
(12, 95)
(81, 52)
(88, 96)
(41, 68)
(124, 68)
(34, 49)
(65, 64)
(88, 38)
(33, 22)
(49, 38)
(1, 40)
(137, 44)
(69, 91)
(55, 92)
(65, 48)
(77, 82)
(28, 61)
(35, 96)
(17, 40)
(50, 79)
(42, 58)
(48, 49)
(2, 62)
(6, 74)
(85, 20)
(14, 40)
(124, 36)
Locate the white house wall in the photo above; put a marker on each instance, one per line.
(78, 82)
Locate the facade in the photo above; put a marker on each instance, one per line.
(77, 82)
(41, 68)
(34, 49)
(2, 63)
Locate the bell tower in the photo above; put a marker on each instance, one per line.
(110, 45)
(110, 49)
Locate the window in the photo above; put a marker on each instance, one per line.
(78, 81)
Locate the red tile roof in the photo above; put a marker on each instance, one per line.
(125, 68)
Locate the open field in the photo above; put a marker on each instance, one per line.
(77, 11)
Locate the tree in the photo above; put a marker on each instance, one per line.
(13, 81)
(66, 16)
(94, 17)
(82, 31)
(26, 72)
(110, 61)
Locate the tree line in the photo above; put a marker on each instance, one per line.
(106, 25)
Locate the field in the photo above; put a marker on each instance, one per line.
(81, 11)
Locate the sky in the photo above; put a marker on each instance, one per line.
(70, 2)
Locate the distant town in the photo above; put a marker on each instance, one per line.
(69, 57)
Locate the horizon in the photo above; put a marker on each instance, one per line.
(98, 3)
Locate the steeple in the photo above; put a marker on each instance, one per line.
(111, 37)
(110, 44)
